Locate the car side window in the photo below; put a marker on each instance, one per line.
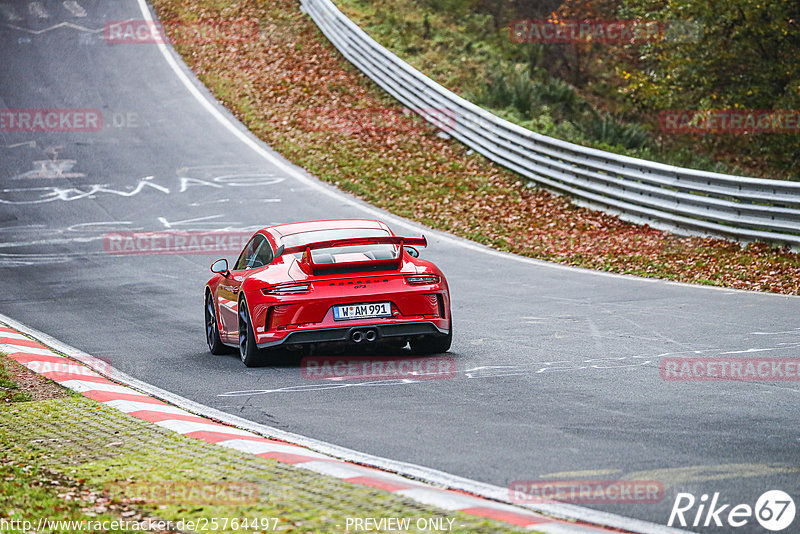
(263, 255)
(257, 253)
(248, 253)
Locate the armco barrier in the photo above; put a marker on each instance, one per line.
(686, 200)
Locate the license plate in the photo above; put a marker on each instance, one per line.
(362, 311)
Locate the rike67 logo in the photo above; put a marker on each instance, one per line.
(774, 511)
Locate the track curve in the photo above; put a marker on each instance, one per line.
(557, 367)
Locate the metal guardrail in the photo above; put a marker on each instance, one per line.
(686, 200)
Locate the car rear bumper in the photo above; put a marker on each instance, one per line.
(343, 334)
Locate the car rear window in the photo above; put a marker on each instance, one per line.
(342, 254)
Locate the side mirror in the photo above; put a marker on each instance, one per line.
(279, 252)
(220, 267)
(414, 253)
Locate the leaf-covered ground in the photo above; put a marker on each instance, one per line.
(20, 384)
(296, 92)
(31, 491)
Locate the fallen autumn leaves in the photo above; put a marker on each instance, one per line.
(294, 90)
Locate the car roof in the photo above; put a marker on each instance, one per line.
(281, 230)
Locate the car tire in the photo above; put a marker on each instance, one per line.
(432, 345)
(212, 328)
(248, 350)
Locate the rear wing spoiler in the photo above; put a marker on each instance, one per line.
(308, 260)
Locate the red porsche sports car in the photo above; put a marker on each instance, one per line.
(347, 282)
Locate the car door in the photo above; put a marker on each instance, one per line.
(253, 255)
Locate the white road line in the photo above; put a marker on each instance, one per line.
(437, 477)
(75, 8)
(337, 469)
(504, 507)
(66, 368)
(441, 499)
(187, 427)
(12, 349)
(418, 472)
(127, 406)
(82, 386)
(247, 139)
(14, 335)
(37, 10)
(399, 479)
(260, 447)
(55, 27)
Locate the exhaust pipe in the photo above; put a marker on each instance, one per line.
(371, 335)
(357, 336)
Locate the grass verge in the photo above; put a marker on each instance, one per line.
(20, 384)
(9, 389)
(295, 91)
(71, 458)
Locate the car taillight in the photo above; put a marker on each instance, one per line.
(422, 280)
(287, 290)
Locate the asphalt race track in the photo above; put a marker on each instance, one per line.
(557, 369)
